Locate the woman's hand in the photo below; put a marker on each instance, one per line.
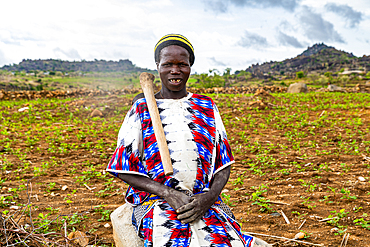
(201, 203)
(198, 206)
(176, 199)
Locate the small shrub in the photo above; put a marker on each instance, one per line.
(300, 74)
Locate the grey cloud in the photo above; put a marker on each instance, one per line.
(222, 6)
(216, 62)
(285, 39)
(252, 40)
(318, 29)
(352, 16)
(285, 25)
(217, 6)
(72, 53)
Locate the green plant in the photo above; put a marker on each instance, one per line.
(51, 186)
(335, 219)
(299, 214)
(43, 223)
(259, 200)
(347, 194)
(307, 203)
(361, 222)
(226, 199)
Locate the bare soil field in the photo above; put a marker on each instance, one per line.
(305, 156)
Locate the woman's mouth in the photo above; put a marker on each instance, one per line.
(175, 81)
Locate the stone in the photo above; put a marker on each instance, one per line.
(299, 235)
(124, 233)
(96, 113)
(79, 238)
(260, 243)
(65, 187)
(298, 87)
(362, 179)
(335, 88)
(276, 214)
(23, 109)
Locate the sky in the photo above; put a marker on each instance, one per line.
(225, 33)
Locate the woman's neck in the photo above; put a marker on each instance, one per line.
(167, 94)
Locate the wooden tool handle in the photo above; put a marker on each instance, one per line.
(146, 82)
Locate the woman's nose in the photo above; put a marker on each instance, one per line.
(175, 69)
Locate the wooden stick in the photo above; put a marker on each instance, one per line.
(301, 225)
(87, 187)
(285, 218)
(65, 232)
(345, 244)
(282, 203)
(344, 240)
(146, 82)
(326, 219)
(287, 239)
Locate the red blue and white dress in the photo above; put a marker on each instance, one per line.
(199, 148)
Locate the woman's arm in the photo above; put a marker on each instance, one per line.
(201, 203)
(175, 198)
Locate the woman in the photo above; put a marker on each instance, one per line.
(183, 209)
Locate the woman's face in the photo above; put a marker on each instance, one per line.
(174, 71)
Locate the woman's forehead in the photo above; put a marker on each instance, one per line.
(174, 51)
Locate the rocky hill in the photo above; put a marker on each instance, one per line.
(29, 65)
(319, 58)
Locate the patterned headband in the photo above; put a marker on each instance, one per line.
(174, 39)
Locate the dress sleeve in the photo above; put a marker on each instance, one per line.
(224, 156)
(127, 157)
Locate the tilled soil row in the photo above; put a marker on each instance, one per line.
(15, 95)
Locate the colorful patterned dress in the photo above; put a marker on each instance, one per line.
(198, 147)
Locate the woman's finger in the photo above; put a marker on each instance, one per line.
(185, 208)
(186, 214)
(191, 219)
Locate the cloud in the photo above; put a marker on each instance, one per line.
(352, 16)
(287, 26)
(316, 28)
(71, 54)
(217, 6)
(216, 62)
(3, 59)
(222, 6)
(288, 40)
(252, 40)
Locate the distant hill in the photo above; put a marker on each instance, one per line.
(30, 65)
(319, 58)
